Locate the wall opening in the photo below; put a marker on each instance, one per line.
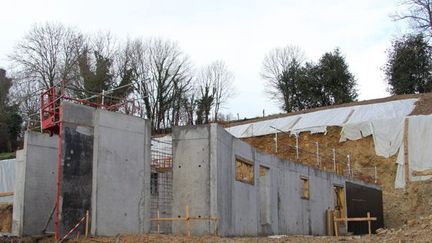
(161, 183)
(305, 190)
(339, 199)
(244, 171)
(264, 190)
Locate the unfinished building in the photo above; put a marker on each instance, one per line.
(103, 168)
(252, 193)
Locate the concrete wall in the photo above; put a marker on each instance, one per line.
(76, 166)
(105, 168)
(115, 186)
(7, 179)
(35, 188)
(121, 167)
(204, 179)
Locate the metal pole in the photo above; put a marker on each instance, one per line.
(376, 175)
(276, 142)
(334, 159)
(103, 98)
(317, 154)
(297, 146)
(349, 165)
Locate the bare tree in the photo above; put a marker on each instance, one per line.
(47, 54)
(277, 63)
(216, 82)
(418, 14)
(163, 80)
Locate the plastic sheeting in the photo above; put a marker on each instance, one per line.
(261, 128)
(419, 149)
(356, 121)
(7, 178)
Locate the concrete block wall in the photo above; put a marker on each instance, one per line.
(105, 168)
(204, 179)
(35, 188)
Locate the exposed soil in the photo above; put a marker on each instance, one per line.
(399, 205)
(5, 217)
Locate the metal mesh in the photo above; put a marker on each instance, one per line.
(161, 183)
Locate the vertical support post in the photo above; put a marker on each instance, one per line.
(297, 146)
(334, 159)
(187, 221)
(59, 160)
(103, 99)
(349, 165)
(87, 223)
(158, 222)
(369, 223)
(376, 174)
(406, 157)
(318, 155)
(276, 142)
(336, 225)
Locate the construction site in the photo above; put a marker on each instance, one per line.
(95, 173)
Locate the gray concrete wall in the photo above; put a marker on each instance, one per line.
(76, 166)
(7, 179)
(105, 169)
(204, 179)
(35, 188)
(121, 180)
(191, 174)
(120, 164)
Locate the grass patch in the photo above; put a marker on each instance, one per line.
(10, 155)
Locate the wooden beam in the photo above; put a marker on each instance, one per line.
(405, 143)
(369, 224)
(355, 219)
(422, 173)
(6, 194)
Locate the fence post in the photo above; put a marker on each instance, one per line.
(349, 165)
(297, 147)
(334, 159)
(317, 154)
(276, 142)
(376, 175)
(103, 98)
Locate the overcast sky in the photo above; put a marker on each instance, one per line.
(238, 32)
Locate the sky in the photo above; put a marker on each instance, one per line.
(239, 32)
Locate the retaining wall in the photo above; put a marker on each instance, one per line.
(204, 179)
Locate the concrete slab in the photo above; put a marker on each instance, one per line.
(36, 172)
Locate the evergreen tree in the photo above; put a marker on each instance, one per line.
(10, 120)
(409, 65)
(337, 83)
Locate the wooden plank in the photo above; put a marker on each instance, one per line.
(6, 194)
(355, 219)
(158, 224)
(168, 219)
(422, 173)
(369, 223)
(187, 221)
(406, 166)
(336, 227)
(87, 223)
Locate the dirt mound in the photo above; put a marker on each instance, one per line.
(5, 217)
(415, 230)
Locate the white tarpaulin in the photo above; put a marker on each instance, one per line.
(7, 178)
(356, 121)
(419, 149)
(318, 121)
